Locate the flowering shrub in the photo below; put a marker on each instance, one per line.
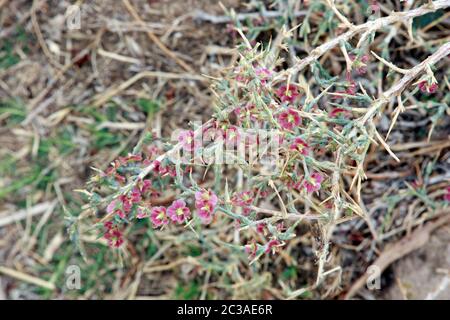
(291, 147)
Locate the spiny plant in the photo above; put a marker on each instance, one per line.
(276, 140)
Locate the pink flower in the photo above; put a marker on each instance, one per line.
(426, 87)
(300, 146)
(152, 151)
(246, 112)
(374, 7)
(111, 206)
(313, 183)
(115, 238)
(113, 235)
(231, 29)
(447, 195)
(246, 211)
(156, 166)
(141, 213)
(296, 185)
(339, 112)
(121, 214)
(206, 196)
(240, 75)
(271, 245)
(264, 193)
(178, 211)
(360, 63)
(158, 216)
(205, 202)
(130, 158)
(146, 185)
(352, 88)
(205, 211)
(251, 249)
(231, 136)
(243, 199)
(126, 203)
(163, 170)
(263, 74)
(186, 138)
(260, 227)
(288, 119)
(287, 94)
(281, 227)
(115, 207)
(135, 195)
(108, 225)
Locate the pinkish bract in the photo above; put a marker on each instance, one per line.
(178, 211)
(313, 183)
(300, 146)
(289, 119)
(158, 216)
(288, 93)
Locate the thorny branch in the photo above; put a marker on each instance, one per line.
(363, 126)
(367, 28)
(409, 76)
(315, 54)
(385, 97)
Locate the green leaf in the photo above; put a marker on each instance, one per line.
(422, 21)
(148, 106)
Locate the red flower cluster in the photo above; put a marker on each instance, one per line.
(231, 135)
(112, 171)
(113, 235)
(300, 146)
(313, 183)
(248, 111)
(427, 87)
(351, 88)
(163, 170)
(123, 205)
(271, 245)
(360, 63)
(252, 248)
(289, 119)
(339, 112)
(176, 212)
(179, 212)
(263, 74)
(205, 203)
(288, 93)
(186, 138)
(243, 199)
